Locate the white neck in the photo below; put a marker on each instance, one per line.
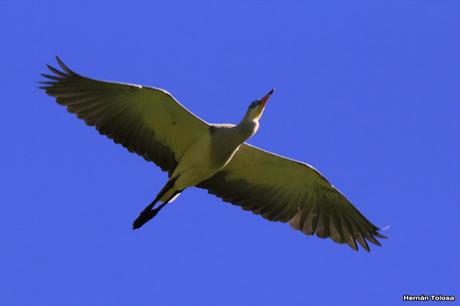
(247, 127)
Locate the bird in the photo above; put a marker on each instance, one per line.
(149, 121)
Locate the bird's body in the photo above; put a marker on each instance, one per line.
(215, 157)
(207, 156)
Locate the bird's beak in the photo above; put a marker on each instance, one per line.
(264, 100)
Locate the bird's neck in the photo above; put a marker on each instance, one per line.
(247, 127)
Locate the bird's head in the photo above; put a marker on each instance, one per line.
(256, 108)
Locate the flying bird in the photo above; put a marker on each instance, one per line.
(152, 123)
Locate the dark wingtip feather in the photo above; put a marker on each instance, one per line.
(372, 239)
(51, 77)
(47, 82)
(57, 72)
(362, 241)
(352, 243)
(64, 67)
(377, 234)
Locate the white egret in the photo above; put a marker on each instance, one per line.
(151, 123)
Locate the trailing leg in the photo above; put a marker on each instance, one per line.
(149, 212)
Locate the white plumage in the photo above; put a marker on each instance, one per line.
(151, 123)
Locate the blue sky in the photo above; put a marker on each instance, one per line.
(367, 92)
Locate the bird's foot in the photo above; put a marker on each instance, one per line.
(146, 215)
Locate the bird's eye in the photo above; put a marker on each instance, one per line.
(253, 104)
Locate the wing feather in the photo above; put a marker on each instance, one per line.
(145, 120)
(285, 190)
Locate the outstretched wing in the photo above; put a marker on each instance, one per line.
(281, 189)
(145, 120)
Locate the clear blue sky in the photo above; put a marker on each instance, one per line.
(367, 91)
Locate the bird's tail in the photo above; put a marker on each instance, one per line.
(148, 212)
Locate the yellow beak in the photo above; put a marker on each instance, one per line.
(264, 100)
